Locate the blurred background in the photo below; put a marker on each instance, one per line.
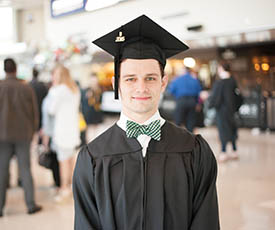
(40, 33)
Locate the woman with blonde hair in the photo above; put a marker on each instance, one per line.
(64, 106)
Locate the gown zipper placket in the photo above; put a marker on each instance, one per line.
(144, 194)
(145, 190)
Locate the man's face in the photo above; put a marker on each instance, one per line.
(140, 87)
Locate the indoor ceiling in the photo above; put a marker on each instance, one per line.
(22, 4)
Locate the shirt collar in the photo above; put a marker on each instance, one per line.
(123, 119)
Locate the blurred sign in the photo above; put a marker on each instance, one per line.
(229, 39)
(99, 4)
(233, 39)
(258, 36)
(66, 7)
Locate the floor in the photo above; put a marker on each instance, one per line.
(246, 188)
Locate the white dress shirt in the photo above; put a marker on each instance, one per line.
(142, 139)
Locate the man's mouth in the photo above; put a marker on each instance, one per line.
(141, 98)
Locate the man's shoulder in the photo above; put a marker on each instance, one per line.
(15, 83)
(101, 144)
(24, 86)
(181, 140)
(105, 135)
(113, 142)
(176, 139)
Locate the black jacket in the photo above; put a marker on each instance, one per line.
(223, 99)
(172, 188)
(41, 91)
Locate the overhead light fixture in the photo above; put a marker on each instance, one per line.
(64, 6)
(265, 66)
(257, 67)
(196, 28)
(189, 62)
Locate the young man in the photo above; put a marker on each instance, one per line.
(144, 172)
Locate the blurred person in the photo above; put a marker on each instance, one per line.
(144, 172)
(40, 90)
(186, 89)
(18, 122)
(199, 113)
(83, 129)
(222, 99)
(91, 106)
(47, 134)
(64, 106)
(82, 122)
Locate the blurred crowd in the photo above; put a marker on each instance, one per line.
(59, 113)
(53, 117)
(225, 99)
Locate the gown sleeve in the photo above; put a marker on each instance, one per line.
(205, 213)
(86, 212)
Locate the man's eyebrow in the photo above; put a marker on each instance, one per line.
(151, 74)
(134, 75)
(129, 75)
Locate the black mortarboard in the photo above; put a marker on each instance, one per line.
(141, 38)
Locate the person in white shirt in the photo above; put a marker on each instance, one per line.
(63, 104)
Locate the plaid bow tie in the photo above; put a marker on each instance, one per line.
(152, 130)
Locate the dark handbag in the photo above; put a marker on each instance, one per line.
(46, 158)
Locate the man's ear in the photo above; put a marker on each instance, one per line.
(164, 82)
(113, 82)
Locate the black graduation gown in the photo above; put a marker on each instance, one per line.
(172, 188)
(222, 98)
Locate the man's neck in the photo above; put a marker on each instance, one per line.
(139, 118)
(11, 75)
(225, 75)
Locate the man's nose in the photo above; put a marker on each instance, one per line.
(141, 86)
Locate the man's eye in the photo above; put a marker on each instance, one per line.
(150, 78)
(130, 79)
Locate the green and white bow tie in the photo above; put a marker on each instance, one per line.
(152, 130)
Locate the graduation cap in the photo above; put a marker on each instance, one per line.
(140, 38)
